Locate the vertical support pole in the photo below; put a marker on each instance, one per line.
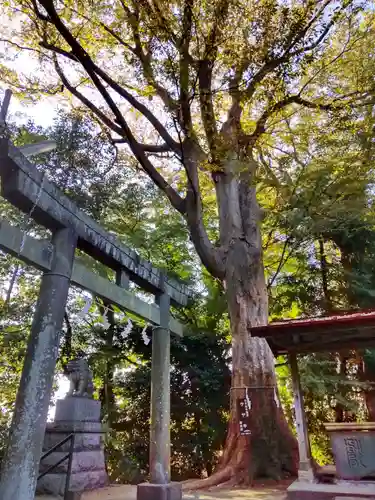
(305, 469)
(160, 397)
(21, 460)
(69, 469)
(122, 279)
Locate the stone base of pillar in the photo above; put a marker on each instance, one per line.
(73, 495)
(88, 464)
(306, 472)
(149, 491)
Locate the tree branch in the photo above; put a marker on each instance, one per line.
(238, 95)
(78, 54)
(206, 104)
(191, 207)
(58, 50)
(145, 58)
(206, 66)
(209, 255)
(260, 126)
(102, 116)
(235, 110)
(22, 47)
(288, 54)
(39, 15)
(302, 33)
(184, 66)
(175, 199)
(148, 148)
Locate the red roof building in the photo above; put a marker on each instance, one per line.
(326, 333)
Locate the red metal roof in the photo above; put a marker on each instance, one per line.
(341, 318)
(325, 333)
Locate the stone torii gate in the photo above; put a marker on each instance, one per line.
(28, 189)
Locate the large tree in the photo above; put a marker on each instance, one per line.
(204, 79)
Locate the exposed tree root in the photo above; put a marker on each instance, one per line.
(219, 477)
(227, 485)
(269, 453)
(228, 477)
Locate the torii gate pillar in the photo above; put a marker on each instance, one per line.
(160, 487)
(21, 460)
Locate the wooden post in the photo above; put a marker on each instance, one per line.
(160, 397)
(122, 279)
(21, 460)
(305, 469)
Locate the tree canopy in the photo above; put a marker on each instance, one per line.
(201, 81)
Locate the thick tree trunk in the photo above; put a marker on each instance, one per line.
(270, 450)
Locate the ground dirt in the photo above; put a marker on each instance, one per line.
(126, 492)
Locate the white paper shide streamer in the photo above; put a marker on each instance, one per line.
(145, 338)
(105, 323)
(124, 333)
(86, 307)
(128, 328)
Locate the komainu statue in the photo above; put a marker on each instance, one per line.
(80, 378)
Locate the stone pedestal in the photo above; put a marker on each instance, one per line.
(80, 416)
(150, 491)
(353, 446)
(345, 490)
(306, 471)
(77, 409)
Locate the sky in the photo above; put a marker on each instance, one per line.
(23, 62)
(41, 112)
(63, 387)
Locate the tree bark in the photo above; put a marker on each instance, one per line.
(271, 450)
